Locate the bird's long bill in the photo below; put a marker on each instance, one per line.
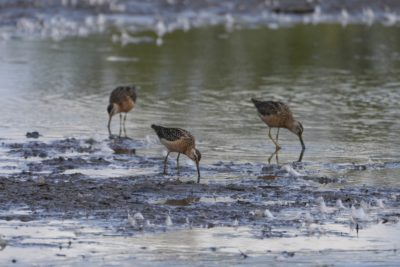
(108, 125)
(302, 143)
(301, 155)
(198, 172)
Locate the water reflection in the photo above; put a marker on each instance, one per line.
(276, 154)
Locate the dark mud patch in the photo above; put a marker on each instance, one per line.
(60, 164)
(77, 196)
(123, 146)
(183, 201)
(42, 149)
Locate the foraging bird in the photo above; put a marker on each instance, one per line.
(180, 141)
(122, 99)
(278, 115)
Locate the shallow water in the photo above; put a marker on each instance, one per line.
(80, 243)
(341, 83)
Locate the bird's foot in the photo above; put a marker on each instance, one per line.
(113, 136)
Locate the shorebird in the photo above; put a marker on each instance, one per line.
(278, 115)
(180, 141)
(122, 99)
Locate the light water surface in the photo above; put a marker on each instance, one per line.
(342, 83)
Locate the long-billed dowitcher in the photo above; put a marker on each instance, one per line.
(180, 141)
(122, 99)
(278, 115)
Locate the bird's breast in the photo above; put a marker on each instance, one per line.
(126, 105)
(275, 120)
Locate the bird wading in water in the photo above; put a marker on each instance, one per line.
(180, 141)
(278, 115)
(122, 100)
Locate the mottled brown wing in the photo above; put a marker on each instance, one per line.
(269, 108)
(121, 93)
(171, 134)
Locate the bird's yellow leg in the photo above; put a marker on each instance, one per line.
(277, 146)
(109, 125)
(276, 156)
(124, 125)
(120, 124)
(165, 163)
(277, 135)
(177, 162)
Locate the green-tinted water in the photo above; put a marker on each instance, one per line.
(340, 82)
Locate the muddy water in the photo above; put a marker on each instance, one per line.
(341, 82)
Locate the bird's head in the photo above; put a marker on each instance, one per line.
(112, 109)
(195, 155)
(297, 128)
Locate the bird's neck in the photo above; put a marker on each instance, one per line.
(291, 125)
(189, 153)
(116, 109)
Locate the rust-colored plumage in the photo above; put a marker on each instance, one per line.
(277, 114)
(180, 141)
(122, 100)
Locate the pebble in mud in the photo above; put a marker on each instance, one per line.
(41, 181)
(32, 134)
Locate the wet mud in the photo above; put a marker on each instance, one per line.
(48, 191)
(271, 201)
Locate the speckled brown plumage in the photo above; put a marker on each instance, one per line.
(180, 141)
(123, 94)
(122, 100)
(277, 114)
